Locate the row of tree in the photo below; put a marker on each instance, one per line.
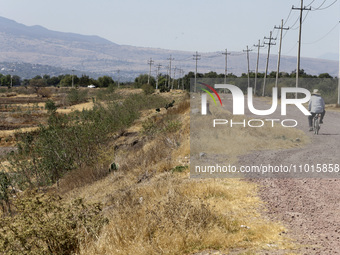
(163, 80)
(62, 80)
(184, 82)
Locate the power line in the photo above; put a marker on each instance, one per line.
(281, 28)
(157, 75)
(320, 5)
(288, 17)
(310, 3)
(265, 74)
(257, 63)
(196, 58)
(169, 82)
(226, 62)
(301, 9)
(320, 9)
(325, 34)
(247, 50)
(150, 62)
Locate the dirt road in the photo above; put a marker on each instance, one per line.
(309, 207)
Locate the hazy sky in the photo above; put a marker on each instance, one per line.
(190, 25)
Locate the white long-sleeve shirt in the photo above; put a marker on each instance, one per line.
(316, 104)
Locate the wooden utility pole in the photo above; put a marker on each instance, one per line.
(279, 57)
(173, 81)
(339, 77)
(150, 62)
(169, 82)
(247, 50)
(157, 75)
(118, 71)
(226, 64)
(196, 57)
(72, 78)
(265, 74)
(299, 47)
(257, 63)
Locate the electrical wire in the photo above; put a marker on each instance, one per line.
(310, 3)
(320, 9)
(320, 4)
(286, 53)
(325, 34)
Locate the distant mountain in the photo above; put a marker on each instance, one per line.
(92, 54)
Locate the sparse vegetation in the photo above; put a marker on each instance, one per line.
(76, 96)
(146, 196)
(44, 224)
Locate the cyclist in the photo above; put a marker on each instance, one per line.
(316, 105)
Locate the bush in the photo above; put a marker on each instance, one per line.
(148, 89)
(76, 96)
(44, 224)
(163, 89)
(5, 182)
(44, 92)
(50, 106)
(71, 141)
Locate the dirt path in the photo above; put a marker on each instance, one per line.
(308, 207)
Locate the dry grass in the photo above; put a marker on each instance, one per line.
(171, 214)
(78, 107)
(153, 210)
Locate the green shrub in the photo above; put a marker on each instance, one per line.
(50, 106)
(148, 89)
(5, 182)
(76, 96)
(163, 89)
(71, 141)
(179, 169)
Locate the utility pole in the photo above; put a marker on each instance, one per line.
(196, 57)
(72, 78)
(169, 82)
(339, 78)
(173, 81)
(150, 62)
(166, 77)
(118, 71)
(265, 74)
(302, 8)
(226, 62)
(157, 75)
(182, 79)
(247, 50)
(257, 63)
(279, 57)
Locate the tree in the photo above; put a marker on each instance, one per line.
(325, 75)
(5, 80)
(105, 81)
(84, 80)
(53, 81)
(143, 79)
(36, 82)
(67, 80)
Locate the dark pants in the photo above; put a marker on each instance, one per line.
(310, 117)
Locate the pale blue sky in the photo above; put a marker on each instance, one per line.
(190, 25)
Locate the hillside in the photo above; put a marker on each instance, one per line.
(38, 45)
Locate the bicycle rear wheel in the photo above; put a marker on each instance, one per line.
(316, 126)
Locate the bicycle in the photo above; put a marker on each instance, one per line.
(316, 123)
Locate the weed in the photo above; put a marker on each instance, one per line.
(179, 169)
(43, 224)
